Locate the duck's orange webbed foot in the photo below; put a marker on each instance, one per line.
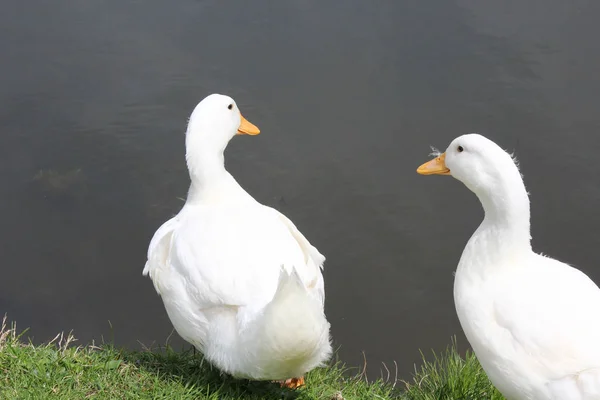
(293, 383)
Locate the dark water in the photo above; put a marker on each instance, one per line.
(94, 99)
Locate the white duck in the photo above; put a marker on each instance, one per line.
(533, 322)
(237, 278)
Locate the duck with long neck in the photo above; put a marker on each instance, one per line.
(531, 320)
(237, 278)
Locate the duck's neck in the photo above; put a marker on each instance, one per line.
(206, 167)
(505, 230)
(207, 174)
(508, 207)
(210, 181)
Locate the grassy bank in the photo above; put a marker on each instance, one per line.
(62, 370)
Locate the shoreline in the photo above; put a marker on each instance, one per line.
(60, 369)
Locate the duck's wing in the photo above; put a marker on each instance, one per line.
(551, 311)
(314, 260)
(231, 258)
(158, 251)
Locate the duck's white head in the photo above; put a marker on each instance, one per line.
(213, 123)
(487, 170)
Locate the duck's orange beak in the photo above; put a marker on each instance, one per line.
(437, 166)
(246, 127)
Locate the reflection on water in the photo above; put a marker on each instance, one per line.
(95, 98)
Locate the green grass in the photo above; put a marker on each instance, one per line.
(449, 376)
(61, 370)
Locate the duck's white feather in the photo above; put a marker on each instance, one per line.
(237, 278)
(314, 260)
(158, 251)
(534, 327)
(533, 322)
(219, 282)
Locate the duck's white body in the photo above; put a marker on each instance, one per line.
(237, 279)
(533, 322)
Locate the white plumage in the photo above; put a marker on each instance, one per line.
(237, 278)
(533, 322)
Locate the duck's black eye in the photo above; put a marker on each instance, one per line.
(460, 149)
(230, 106)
